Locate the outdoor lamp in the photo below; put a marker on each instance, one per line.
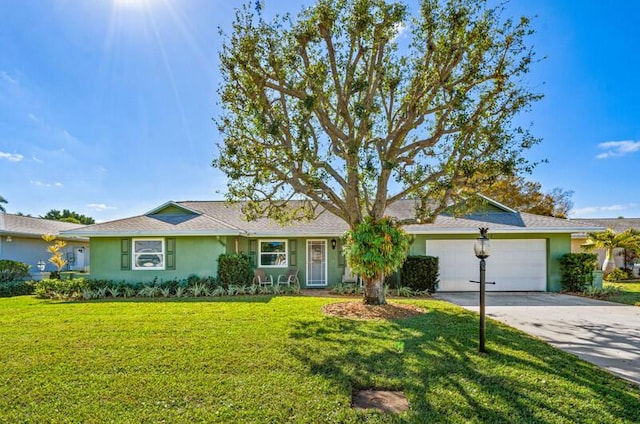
(333, 244)
(41, 264)
(482, 246)
(482, 249)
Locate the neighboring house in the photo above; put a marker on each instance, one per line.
(179, 239)
(618, 225)
(21, 240)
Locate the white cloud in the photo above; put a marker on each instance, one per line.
(11, 157)
(618, 148)
(99, 207)
(591, 211)
(8, 78)
(55, 133)
(34, 118)
(36, 160)
(39, 183)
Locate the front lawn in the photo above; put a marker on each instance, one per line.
(264, 359)
(630, 292)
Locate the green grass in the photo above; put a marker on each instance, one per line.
(273, 360)
(630, 292)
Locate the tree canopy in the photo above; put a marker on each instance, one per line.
(356, 104)
(328, 105)
(68, 216)
(2, 200)
(527, 196)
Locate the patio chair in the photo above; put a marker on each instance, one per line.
(349, 278)
(261, 278)
(291, 277)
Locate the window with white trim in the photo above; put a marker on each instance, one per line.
(272, 254)
(148, 254)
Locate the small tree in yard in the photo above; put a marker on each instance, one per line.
(374, 249)
(334, 109)
(56, 251)
(610, 240)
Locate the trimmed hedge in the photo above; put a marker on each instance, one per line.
(51, 288)
(234, 270)
(13, 270)
(577, 271)
(620, 274)
(420, 273)
(16, 288)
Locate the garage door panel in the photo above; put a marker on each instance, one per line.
(515, 265)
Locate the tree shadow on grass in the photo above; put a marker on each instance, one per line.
(434, 360)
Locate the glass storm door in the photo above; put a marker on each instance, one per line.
(316, 263)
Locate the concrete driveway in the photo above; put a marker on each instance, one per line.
(604, 333)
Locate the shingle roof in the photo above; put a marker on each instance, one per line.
(500, 222)
(27, 226)
(221, 218)
(161, 224)
(616, 224)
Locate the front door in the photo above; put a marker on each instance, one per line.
(316, 263)
(80, 260)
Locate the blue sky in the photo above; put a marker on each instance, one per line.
(106, 106)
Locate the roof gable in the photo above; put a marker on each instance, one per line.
(173, 213)
(496, 206)
(172, 208)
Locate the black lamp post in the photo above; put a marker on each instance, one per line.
(482, 249)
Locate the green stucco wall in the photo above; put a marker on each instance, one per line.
(199, 256)
(335, 265)
(194, 255)
(557, 245)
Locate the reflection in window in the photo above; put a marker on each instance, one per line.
(273, 253)
(148, 254)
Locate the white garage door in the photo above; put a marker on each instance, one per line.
(515, 265)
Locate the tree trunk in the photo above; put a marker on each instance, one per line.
(374, 291)
(609, 264)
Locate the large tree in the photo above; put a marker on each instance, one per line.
(332, 108)
(68, 216)
(527, 196)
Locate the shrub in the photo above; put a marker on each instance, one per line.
(404, 292)
(220, 291)
(234, 270)
(149, 291)
(61, 289)
(577, 271)
(375, 247)
(619, 274)
(194, 279)
(393, 280)
(13, 270)
(199, 289)
(420, 273)
(15, 288)
(603, 292)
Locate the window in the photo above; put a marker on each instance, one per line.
(148, 254)
(273, 253)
